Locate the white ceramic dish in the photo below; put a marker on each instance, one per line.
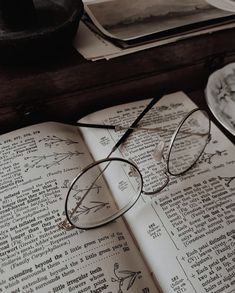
(228, 5)
(220, 96)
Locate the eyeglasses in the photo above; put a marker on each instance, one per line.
(106, 189)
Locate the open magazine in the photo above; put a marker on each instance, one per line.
(128, 23)
(180, 240)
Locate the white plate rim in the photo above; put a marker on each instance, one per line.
(213, 78)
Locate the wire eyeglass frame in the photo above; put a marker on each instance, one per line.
(67, 224)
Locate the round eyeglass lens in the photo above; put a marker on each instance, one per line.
(188, 142)
(102, 192)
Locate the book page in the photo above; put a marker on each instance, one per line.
(37, 165)
(186, 231)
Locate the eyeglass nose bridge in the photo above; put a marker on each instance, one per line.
(158, 157)
(158, 151)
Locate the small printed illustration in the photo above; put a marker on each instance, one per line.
(124, 278)
(76, 191)
(208, 157)
(53, 140)
(84, 210)
(229, 180)
(84, 202)
(48, 161)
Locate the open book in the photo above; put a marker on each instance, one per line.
(181, 240)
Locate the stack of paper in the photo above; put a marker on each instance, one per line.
(114, 28)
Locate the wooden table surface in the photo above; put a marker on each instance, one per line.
(66, 86)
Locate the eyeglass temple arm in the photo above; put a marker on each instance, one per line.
(119, 127)
(115, 127)
(129, 130)
(80, 124)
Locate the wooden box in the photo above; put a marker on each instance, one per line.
(67, 87)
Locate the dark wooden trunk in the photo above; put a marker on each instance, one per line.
(69, 87)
